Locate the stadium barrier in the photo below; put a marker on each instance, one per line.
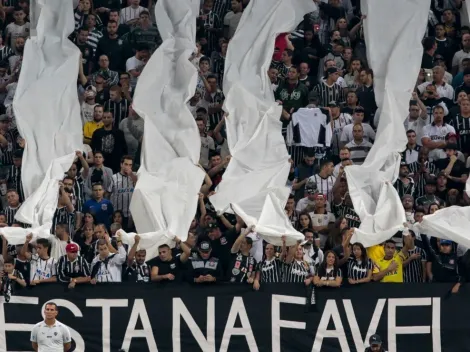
(230, 317)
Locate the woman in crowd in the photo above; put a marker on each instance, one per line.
(342, 28)
(85, 241)
(359, 265)
(305, 222)
(335, 237)
(270, 269)
(296, 269)
(329, 274)
(88, 220)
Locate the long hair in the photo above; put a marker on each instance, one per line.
(364, 257)
(309, 226)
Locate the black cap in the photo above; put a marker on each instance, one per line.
(404, 164)
(331, 70)
(333, 104)
(431, 181)
(205, 246)
(438, 57)
(311, 187)
(4, 117)
(451, 146)
(375, 340)
(466, 71)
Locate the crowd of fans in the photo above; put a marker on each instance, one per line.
(320, 76)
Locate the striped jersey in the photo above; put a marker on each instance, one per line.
(120, 110)
(63, 216)
(130, 13)
(358, 270)
(297, 271)
(327, 93)
(7, 153)
(121, 193)
(79, 193)
(337, 126)
(10, 213)
(67, 270)
(93, 38)
(42, 268)
(214, 99)
(359, 151)
(414, 270)
(270, 271)
(421, 181)
(349, 213)
(14, 181)
(462, 128)
(403, 188)
(218, 67)
(5, 53)
(324, 185)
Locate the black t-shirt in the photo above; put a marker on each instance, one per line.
(87, 57)
(138, 273)
(173, 266)
(458, 170)
(112, 145)
(24, 268)
(242, 267)
(221, 247)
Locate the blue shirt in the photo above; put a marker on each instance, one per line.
(101, 210)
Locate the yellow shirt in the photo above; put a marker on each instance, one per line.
(90, 127)
(377, 254)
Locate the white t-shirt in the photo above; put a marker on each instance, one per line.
(256, 250)
(444, 91)
(207, 144)
(16, 31)
(417, 126)
(436, 133)
(42, 269)
(87, 112)
(231, 20)
(313, 127)
(50, 338)
(134, 64)
(347, 135)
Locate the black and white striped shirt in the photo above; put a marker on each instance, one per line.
(14, 181)
(327, 94)
(80, 20)
(350, 214)
(296, 272)
(414, 272)
(5, 53)
(67, 270)
(93, 38)
(218, 67)
(121, 193)
(214, 99)
(120, 110)
(130, 13)
(270, 271)
(358, 270)
(462, 128)
(7, 153)
(63, 216)
(10, 214)
(79, 193)
(324, 185)
(421, 181)
(403, 189)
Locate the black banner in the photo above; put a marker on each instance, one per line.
(113, 317)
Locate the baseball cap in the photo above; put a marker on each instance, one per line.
(212, 225)
(331, 70)
(333, 104)
(445, 242)
(375, 340)
(466, 71)
(451, 134)
(438, 57)
(205, 246)
(404, 164)
(4, 117)
(72, 248)
(18, 154)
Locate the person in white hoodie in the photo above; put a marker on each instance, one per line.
(107, 265)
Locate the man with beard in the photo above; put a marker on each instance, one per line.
(14, 61)
(113, 47)
(204, 267)
(408, 202)
(404, 184)
(345, 156)
(81, 42)
(431, 99)
(429, 194)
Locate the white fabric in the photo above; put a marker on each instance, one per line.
(149, 241)
(254, 182)
(166, 193)
(48, 116)
(394, 52)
